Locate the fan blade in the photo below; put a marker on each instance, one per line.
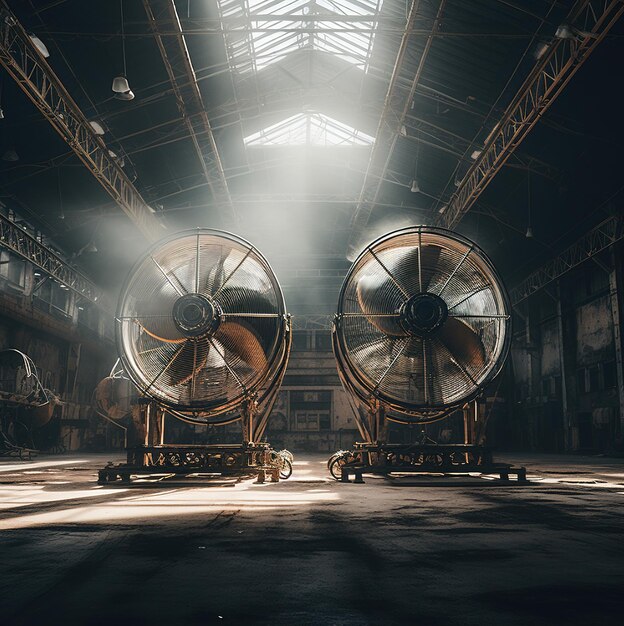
(243, 301)
(157, 321)
(191, 359)
(401, 274)
(429, 258)
(463, 343)
(372, 295)
(241, 339)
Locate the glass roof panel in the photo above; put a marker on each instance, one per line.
(314, 129)
(256, 37)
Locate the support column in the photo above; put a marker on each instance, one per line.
(615, 291)
(563, 370)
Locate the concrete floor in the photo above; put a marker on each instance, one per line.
(310, 550)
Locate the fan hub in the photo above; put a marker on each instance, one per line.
(423, 314)
(196, 315)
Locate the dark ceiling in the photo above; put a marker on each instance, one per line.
(296, 203)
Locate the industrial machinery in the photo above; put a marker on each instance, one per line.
(25, 405)
(203, 335)
(423, 325)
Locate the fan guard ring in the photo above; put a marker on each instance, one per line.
(201, 323)
(423, 323)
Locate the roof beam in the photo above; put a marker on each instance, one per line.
(163, 18)
(17, 240)
(589, 245)
(396, 106)
(546, 81)
(25, 64)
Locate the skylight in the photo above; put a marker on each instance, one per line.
(257, 37)
(313, 129)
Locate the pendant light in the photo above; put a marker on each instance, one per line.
(121, 87)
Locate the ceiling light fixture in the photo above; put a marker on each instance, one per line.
(98, 129)
(45, 53)
(120, 86)
(118, 159)
(541, 49)
(564, 31)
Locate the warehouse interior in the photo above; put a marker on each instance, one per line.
(310, 129)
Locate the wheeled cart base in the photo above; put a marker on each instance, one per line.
(384, 459)
(184, 460)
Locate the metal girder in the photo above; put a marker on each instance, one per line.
(397, 103)
(25, 64)
(165, 24)
(18, 241)
(320, 321)
(596, 240)
(546, 81)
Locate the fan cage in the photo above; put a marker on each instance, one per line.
(215, 372)
(419, 379)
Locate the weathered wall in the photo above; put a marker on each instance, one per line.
(566, 379)
(70, 359)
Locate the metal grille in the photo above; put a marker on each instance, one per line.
(230, 357)
(438, 361)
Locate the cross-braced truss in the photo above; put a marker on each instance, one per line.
(260, 32)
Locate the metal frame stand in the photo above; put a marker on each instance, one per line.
(378, 457)
(156, 458)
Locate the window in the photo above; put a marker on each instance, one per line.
(312, 420)
(54, 295)
(256, 36)
(581, 381)
(306, 420)
(310, 410)
(312, 129)
(13, 268)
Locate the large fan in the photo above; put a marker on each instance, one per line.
(201, 323)
(423, 323)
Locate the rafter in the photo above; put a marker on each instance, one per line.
(163, 18)
(25, 64)
(564, 56)
(396, 106)
(18, 241)
(589, 245)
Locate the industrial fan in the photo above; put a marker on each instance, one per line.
(202, 332)
(423, 325)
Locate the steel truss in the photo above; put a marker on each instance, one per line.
(24, 245)
(165, 23)
(320, 321)
(589, 245)
(546, 81)
(25, 64)
(397, 103)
